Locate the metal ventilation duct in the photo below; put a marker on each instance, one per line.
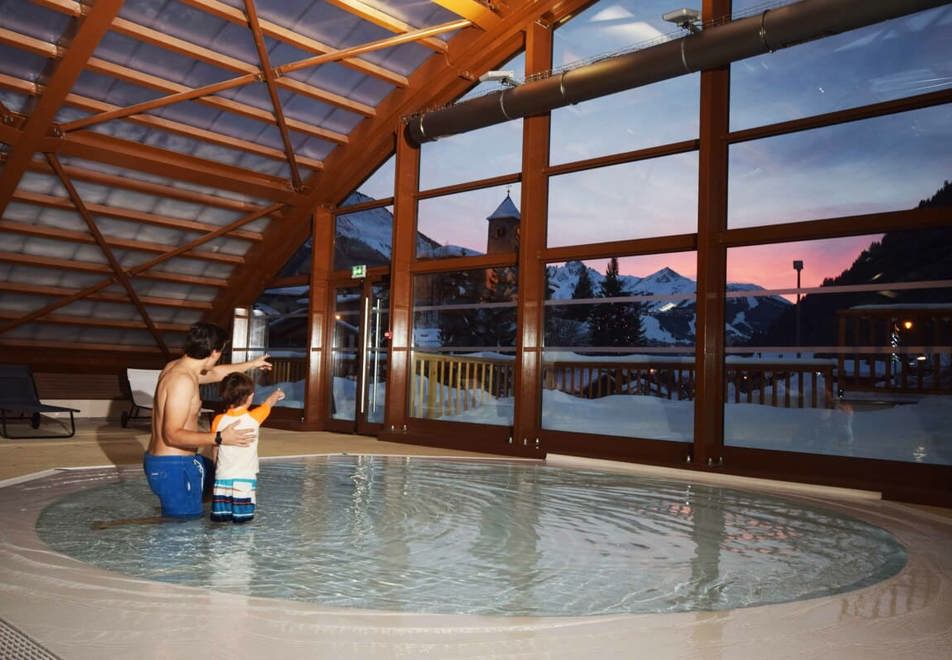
(713, 47)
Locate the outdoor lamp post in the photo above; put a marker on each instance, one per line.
(798, 266)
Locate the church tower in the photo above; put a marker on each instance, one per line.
(503, 233)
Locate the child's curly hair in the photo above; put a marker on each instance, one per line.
(235, 388)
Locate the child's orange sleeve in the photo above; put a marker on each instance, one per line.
(260, 413)
(216, 422)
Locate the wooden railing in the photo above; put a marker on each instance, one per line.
(920, 372)
(782, 384)
(445, 385)
(669, 379)
(451, 384)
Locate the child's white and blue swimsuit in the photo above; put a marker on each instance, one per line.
(236, 471)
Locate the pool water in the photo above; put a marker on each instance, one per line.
(490, 538)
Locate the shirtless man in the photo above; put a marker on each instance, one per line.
(175, 470)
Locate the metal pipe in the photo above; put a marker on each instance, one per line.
(711, 48)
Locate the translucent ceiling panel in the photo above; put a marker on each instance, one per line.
(71, 334)
(345, 81)
(112, 90)
(157, 61)
(13, 101)
(101, 310)
(193, 25)
(51, 277)
(418, 13)
(32, 20)
(174, 290)
(21, 303)
(21, 64)
(41, 183)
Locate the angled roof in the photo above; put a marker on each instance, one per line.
(161, 159)
(506, 209)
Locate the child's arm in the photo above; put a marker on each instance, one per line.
(261, 412)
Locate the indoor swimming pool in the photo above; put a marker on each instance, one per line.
(495, 538)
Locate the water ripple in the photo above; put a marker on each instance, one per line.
(443, 536)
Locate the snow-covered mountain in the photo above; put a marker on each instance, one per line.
(670, 318)
(365, 237)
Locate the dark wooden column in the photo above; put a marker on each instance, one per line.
(532, 226)
(320, 330)
(711, 256)
(406, 184)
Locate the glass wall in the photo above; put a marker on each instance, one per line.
(858, 361)
(634, 200)
(458, 225)
(478, 154)
(345, 352)
(886, 163)
(619, 347)
(278, 325)
(648, 116)
(464, 338)
(364, 237)
(898, 58)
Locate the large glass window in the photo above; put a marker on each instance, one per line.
(643, 117)
(378, 185)
(364, 237)
(857, 361)
(619, 347)
(642, 199)
(902, 57)
(887, 163)
(277, 325)
(478, 154)
(464, 338)
(483, 221)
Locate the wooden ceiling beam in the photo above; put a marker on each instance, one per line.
(275, 31)
(269, 80)
(55, 202)
(373, 15)
(200, 171)
(160, 123)
(149, 188)
(476, 12)
(194, 51)
(64, 348)
(98, 321)
(93, 267)
(103, 296)
(59, 234)
(91, 29)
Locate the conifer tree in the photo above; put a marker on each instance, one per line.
(615, 324)
(583, 289)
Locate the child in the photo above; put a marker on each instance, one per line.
(236, 469)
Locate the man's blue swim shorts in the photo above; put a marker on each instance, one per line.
(178, 481)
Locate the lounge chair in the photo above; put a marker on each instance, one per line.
(140, 385)
(18, 395)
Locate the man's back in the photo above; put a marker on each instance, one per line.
(177, 391)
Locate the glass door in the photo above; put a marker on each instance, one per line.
(360, 355)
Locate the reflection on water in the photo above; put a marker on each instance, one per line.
(424, 535)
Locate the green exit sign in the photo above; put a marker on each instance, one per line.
(358, 271)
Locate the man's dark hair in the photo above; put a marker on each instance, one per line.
(202, 339)
(235, 388)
